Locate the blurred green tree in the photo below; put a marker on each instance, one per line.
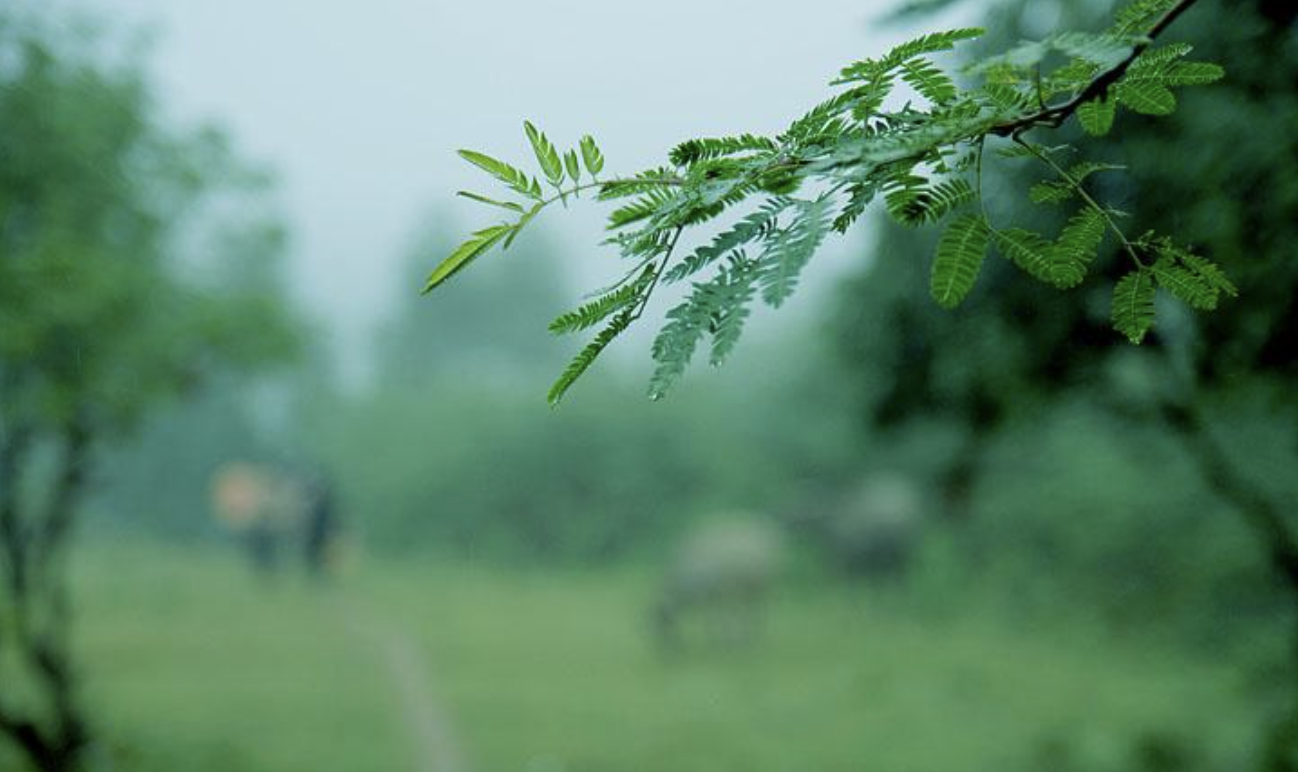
(97, 326)
(1225, 177)
(444, 449)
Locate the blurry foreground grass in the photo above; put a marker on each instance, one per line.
(194, 665)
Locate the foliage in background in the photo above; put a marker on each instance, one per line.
(97, 327)
(1206, 408)
(445, 452)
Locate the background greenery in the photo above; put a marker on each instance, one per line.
(1084, 600)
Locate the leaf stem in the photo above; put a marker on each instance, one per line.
(1086, 197)
(1055, 115)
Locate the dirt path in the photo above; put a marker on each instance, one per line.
(433, 746)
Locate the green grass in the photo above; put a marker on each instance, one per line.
(560, 668)
(194, 666)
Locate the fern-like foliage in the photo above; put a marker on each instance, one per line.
(587, 356)
(789, 249)
(603, 306)
(695, 150)
(1133, 305)
(960, 254)
(924, 159)
(1075, 249)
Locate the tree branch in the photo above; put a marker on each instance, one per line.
(1055, 115)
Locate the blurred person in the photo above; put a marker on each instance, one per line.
(321, 529)
(261, 507)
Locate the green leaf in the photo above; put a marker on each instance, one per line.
(960, 255)
(587, 356)
(759, 224)
(649, 204)
(604, 306)
(1103, 49)
(1209, 272)
(466, 253)
(694, 150)
(676, 342)
(591, 155)
(1051, 192)
(1193, 74)
(1075, 249)
(734, 292)
(1158, 58)
(1028, 250)
(789, 249)
(1185, 285)
(654, 179)
(574, 167)
(515, 178)
(1096, 116)
(932, 43)
(873, 69)
(925, 77)
(510, 205)
(1138, 15)
(1133, 305)
(912, 201)
(1146, 97)
(546, 155)
(1080, 171)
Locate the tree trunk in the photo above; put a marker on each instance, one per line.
(38, 624)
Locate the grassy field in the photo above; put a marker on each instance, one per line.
(193, 665)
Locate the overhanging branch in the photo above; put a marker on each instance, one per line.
(1055, 115)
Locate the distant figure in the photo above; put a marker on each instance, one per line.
(241, 499)
(320, 529)
(878, 526)
(261, 507)
(716, 588)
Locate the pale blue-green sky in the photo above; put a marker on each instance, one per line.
(360, 106)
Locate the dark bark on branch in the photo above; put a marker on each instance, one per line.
(14, 446)
(1055, 115)
(39, 624)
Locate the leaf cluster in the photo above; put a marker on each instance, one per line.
(923, 157)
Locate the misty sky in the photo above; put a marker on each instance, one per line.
(359, 107)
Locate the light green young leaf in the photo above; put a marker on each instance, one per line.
(574, 167)
(464, 254)
(515, 178)
(546, 154)
(591, 155)
(510, 205)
